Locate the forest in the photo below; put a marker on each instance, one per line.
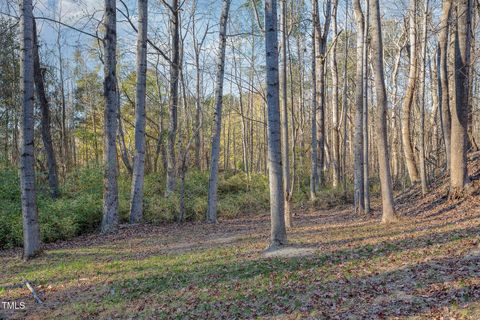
(239, 159)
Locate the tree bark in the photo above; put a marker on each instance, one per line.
(335, 107)
(358, 187)
(321, 37)
(110, 191)
(314, 166)
(409, 98)
(421, 93)
(277, 200)
(31, 229)
(381, 125)
(458, 169)
(174, 78)
(445, 116)
(366, 154)
(211, 215)
(136, 207)
(284, 118)
(45, 108)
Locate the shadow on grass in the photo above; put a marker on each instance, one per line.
(408, 291)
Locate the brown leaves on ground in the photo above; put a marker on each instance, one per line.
(337, 266)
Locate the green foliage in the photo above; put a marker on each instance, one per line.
(79, 209)
(237, 195)
(328, 198)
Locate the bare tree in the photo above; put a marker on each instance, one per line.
(110, 191)
(335, 105)
(31, 229)
(277, 200)
(445, 116)
(358, 148)
(174, 80)
(213, 181)
(409, 96)
(366, 156)
(136, 207)
(381, 92)
(314, 159)
(458, 169)
(46, 123)
(198, 44)
(284, 117)
(421, 93)
(321, 37)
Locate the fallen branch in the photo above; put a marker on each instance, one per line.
(34, 294)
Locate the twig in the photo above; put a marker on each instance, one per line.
(34, 294)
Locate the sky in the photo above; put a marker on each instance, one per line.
(87, 14)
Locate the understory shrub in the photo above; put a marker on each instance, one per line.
(79, 209)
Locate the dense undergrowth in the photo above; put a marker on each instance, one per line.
(79, 209)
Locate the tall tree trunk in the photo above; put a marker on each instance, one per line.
(381, 92)
(65, 151)
(335, 107)
(213, 181)
(110, 191)
(396, 114)
(277, 200)
(160, 145)
(409, 97)
(345, 104)
(421, 93)
(358, 144)
(321, 43)
(136, 207)
(314, 166)
(31, 229)
(458, 169)
(284, 118)
(445, 116)
(174, 78)
(366, 154)
(45, 107)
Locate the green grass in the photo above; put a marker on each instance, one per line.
(419, 268)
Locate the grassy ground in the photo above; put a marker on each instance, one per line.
(337, 266)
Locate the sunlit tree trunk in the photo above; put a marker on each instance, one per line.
(381, 125)
(277, 200)
(445, 116)
(421, 93)
(335, 107)
(110, 191)
(31, 229)
(458, 169)
(409, 97)
(213, 181)
(284, 117)
(366, 139)
(136, 206)
(358, 142)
